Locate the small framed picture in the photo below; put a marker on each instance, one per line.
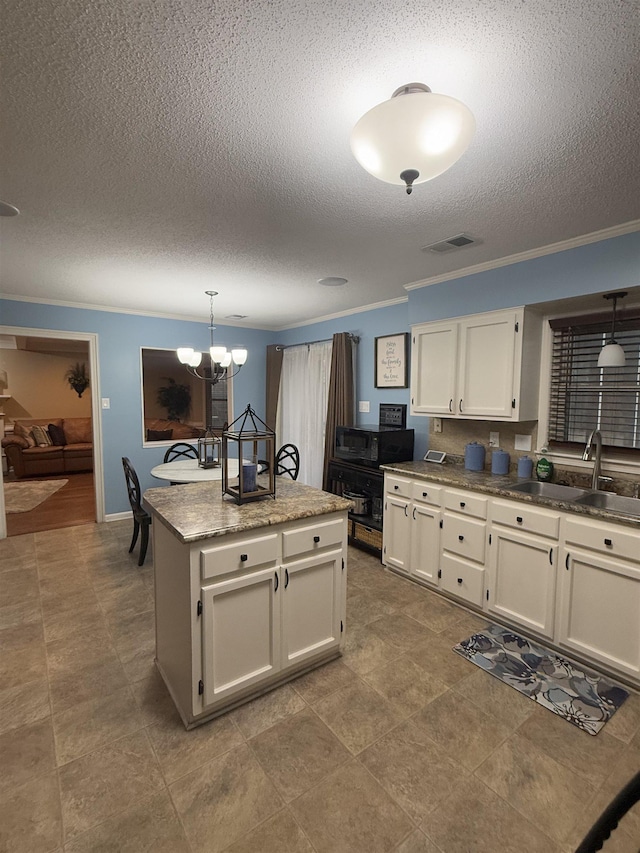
(392, 370)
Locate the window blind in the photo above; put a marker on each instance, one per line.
(585, 397)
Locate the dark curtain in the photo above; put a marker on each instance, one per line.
(274, 369)
(341, 404)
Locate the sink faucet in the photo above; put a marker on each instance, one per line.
(594, 438)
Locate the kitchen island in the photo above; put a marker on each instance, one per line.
(246, 597)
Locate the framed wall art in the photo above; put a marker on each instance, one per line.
(391, 365)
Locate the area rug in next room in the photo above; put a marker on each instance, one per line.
(582, 698)
(27, 495)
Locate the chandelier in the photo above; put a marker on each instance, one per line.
(413, 137)
(220, 357)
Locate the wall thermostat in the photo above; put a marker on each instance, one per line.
(435, 456)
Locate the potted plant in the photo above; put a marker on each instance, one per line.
(78, 378)
(175, 398)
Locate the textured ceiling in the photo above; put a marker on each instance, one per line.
(157, 149)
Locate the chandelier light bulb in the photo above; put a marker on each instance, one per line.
(226, 360)
(413, 137)
(217, 353)
(185, 354)
(239, 356)
(195, 359)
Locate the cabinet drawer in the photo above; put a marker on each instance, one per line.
(312, 537)
(610, 539)
(427, 493)
(464, 536)
(466, 504)
(398, 486)
(243, 554)
(462, 579)
(523, 517)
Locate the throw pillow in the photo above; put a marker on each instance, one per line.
(24, 432)
(41, 436)
(57, 435)
(159, 434)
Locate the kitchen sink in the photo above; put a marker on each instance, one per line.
(549, 490)
(615, 503)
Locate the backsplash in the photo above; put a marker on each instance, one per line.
(458, 433)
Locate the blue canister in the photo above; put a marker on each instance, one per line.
(474, 456)
(525, 467)
(499, 461)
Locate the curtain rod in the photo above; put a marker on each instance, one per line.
(279, 347)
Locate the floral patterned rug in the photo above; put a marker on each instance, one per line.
(582, 698)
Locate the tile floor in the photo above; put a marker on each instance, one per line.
(399, 746)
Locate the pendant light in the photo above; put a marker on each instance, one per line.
(219, 357)
(413, 137)
(612, 354)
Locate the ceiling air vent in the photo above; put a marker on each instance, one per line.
(450, 244)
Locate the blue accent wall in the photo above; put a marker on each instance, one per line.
(607, 265)
(120, 337)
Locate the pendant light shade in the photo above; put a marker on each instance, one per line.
(413, 137)
(612, 354)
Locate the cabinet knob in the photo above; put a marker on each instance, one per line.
(519, 519)
(396, 487)
(461, 538)
(462, 504)
(424, 494)
(459, 580)
(244, 558)
(316, 538)
(608, 543)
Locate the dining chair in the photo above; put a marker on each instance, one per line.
(180, 450)
(141, 518)
(288, 461)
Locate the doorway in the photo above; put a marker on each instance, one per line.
(23, 351)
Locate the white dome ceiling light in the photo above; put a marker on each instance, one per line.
(413, 137)
(612, 354)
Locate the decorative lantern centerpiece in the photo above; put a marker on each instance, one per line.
(209, 450)
(249, 440)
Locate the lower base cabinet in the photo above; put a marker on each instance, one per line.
(563, 577)
(226, 633)
(521, 585)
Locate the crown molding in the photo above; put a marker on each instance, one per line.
(530, 254)
(347, 313)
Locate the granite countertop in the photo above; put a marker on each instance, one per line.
(198, 510)
(455, 474)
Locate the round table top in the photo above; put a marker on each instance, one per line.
(188, 471)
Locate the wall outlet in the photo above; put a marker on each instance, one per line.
(364, 406)
(522, 442)
(437, 424)
(494, 439)
(106, 403)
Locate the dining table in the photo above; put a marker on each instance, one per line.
(189, 471)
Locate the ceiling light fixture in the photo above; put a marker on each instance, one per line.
(413, 137)
(220, 357)
(612, 354)
(332, 281)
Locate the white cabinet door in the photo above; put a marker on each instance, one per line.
(433, 368)
(396, 533)
(425, 543)
(240, 633)
(311, 607)
(487, 349)
(600, 609)
(522, 579)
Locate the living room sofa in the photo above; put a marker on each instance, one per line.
(28, 459)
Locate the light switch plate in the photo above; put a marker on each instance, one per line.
(364, 406)
(522, 442)
(106, 403)
(494, 439)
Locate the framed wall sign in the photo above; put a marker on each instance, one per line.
(391, 361)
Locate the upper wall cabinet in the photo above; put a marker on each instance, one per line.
(483, 366)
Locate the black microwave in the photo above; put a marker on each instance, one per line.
(372, 446)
